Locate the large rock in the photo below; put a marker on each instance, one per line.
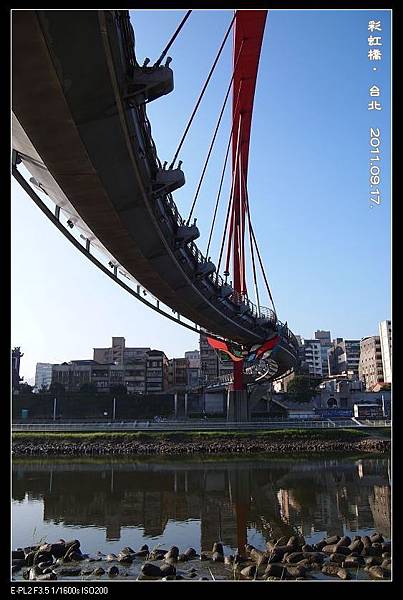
(173, 552)
(151, 570)
(275, 556)
(343, 574)
(45, 563)
(376, 537)
(75, 555)
(295, 541)
(295, 557)
(75, 544)
(276, 570)
(329, 549)
(143, 551)
(47, 577)
(306, 563)
(337, 558)
(354, 561)
(294, 571)
(18, 554)
(260, 558)
(280, 550)
(190, 553)
(356, 546)
(376, 572)
(41, 556)
(217, 557)
(157, 554)
(58, 550)
(331, 569)
(320, 545)
(218, 547)
(371, 561)
(375, 550)
(127, 550)
(249, 572)
(69, 571)
(99, 571)
(344, 541)
(315, 556)
(333, 539)
(111, 557)
(113, 571)
(126, 559)
(167, 569)
(336, 548)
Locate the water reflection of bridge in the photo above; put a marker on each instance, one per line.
(274, 497)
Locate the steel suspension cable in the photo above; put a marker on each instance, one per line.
(257, 248)
(171, 41)
(234, 176)
(231, 197)
(223, 172)
(202, 93)
(214, 137)
(255, 283)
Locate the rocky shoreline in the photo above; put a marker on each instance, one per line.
(338, 558)
(251, 445)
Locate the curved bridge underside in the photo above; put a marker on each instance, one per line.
(82, 131)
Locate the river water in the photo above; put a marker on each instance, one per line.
(111, 503)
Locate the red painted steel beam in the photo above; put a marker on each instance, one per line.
(248, 37)
(248, 33)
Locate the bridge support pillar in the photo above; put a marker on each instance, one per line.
(181, 406)
(237, 406)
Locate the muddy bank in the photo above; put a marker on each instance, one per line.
(244, 445)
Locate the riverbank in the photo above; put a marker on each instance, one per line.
(288, 441)
(285, 558)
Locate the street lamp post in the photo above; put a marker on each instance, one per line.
(54, 408)
(114, 409)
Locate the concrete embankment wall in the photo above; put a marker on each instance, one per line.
(82, 406)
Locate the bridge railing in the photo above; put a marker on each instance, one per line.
(170, 204)
(190, 425)
(126, 29)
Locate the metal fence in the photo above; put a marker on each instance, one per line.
(194, 425)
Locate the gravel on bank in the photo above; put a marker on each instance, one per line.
(334, 442)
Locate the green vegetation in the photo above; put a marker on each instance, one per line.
(302, 388)
(269, 435)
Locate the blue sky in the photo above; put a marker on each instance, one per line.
(326, 251)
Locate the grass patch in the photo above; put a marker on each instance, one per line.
(134, 436)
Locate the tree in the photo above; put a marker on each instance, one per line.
(119, 389)
(57, 388)
(25, 387)
(89, 388)
(302, 388)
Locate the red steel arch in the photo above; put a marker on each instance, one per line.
(248, 37)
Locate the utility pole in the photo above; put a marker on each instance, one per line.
(114, 409)
(54, 408)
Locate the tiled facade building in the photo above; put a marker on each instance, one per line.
(370, 368)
